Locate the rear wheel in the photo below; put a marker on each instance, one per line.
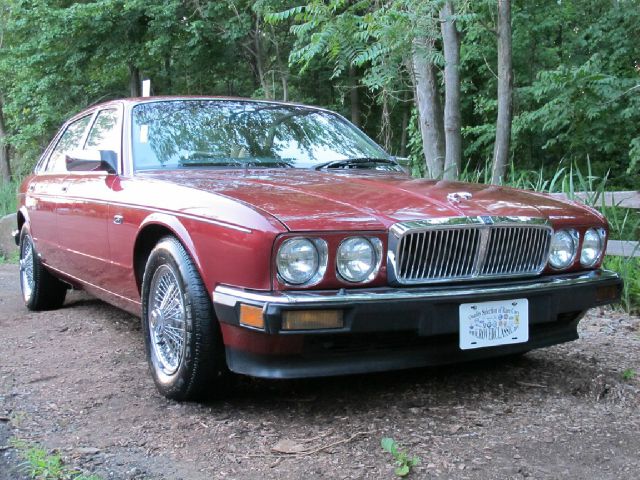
(182, 337)
(40, 289)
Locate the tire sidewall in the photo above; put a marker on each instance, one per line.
(178, 383)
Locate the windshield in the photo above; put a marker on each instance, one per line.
(234, 133)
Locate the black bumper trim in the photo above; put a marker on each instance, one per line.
(440, 350)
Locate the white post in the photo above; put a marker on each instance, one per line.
(146, 88)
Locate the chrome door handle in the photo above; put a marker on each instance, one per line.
(118, 219)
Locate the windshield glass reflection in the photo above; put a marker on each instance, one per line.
(228, 133)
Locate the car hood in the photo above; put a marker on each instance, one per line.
(307, 200)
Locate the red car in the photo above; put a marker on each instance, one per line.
(279, 241)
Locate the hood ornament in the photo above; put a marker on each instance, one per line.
(457, 197)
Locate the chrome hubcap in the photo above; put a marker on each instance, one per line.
(26, 268)
(167, 319)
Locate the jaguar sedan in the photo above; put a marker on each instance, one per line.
(279, 241)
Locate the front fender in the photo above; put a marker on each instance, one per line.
(173, 224)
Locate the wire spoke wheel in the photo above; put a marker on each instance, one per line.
(181, 335)
(27, 278)
(167, 326)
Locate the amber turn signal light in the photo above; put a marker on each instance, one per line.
(312, 319)
(607, 294)
(251, 316)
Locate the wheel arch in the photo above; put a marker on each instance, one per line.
(152, 229)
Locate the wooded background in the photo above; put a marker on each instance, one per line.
(492, 86)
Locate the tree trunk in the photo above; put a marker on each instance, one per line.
(258, 54)
(134, 81)
(354, 96)
(283, 70)
(505, 94)
(429, 108)
(5, 163)
(167, 72)
(385, 122)
(406, 109)
(453, 137)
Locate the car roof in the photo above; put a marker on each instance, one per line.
(164, 98)
(132, 101)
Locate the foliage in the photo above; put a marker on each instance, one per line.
(577, 85)
(404, 462)
(577, 76)
(39, 464)
(629, 374)
(8, 197)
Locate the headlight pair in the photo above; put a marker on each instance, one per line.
(564, 247)
(303, 261)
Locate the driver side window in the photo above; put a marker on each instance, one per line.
(69, 141)
(105, 132)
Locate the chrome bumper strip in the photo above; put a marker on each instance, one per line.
(230, 296)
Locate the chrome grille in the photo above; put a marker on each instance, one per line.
(467, 248)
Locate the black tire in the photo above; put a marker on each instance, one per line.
(40, 289)
(194, 369)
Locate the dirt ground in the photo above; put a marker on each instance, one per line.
(75, 380)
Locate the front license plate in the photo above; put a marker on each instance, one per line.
(488, 324)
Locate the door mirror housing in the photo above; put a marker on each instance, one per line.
(92, 161)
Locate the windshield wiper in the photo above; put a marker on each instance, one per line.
(355, 162)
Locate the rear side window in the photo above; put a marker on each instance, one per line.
(70, 140)
(105, 132)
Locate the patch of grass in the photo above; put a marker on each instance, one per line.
(404, 463)
(629, 270)
(8, 197)
(13, 258)
(39, 464)
(629, 374)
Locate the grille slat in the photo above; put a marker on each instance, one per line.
(469, 251)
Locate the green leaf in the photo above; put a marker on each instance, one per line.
(388, 444)
(402, 471)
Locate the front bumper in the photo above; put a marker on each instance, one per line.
(393, 328)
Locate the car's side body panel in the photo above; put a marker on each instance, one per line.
(83, 216)
(42, 197)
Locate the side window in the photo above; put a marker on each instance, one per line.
(70, 140)
(105, 132)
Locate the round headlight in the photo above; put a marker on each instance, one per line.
(591, 247)
(563, 249)
(357, 259)
(298, 260)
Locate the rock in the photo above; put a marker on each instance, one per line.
(288, 446)
(8, 246)
(87, 450)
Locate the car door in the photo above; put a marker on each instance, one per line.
(45, 192)
(83, 219)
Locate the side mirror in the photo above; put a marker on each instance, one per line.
(92, 161)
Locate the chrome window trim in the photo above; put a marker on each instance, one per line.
(483, 223)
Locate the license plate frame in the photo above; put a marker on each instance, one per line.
(493, 323)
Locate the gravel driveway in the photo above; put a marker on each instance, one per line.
(75, 380)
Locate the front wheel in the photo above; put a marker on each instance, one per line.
(182, 338)
(40, 289)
